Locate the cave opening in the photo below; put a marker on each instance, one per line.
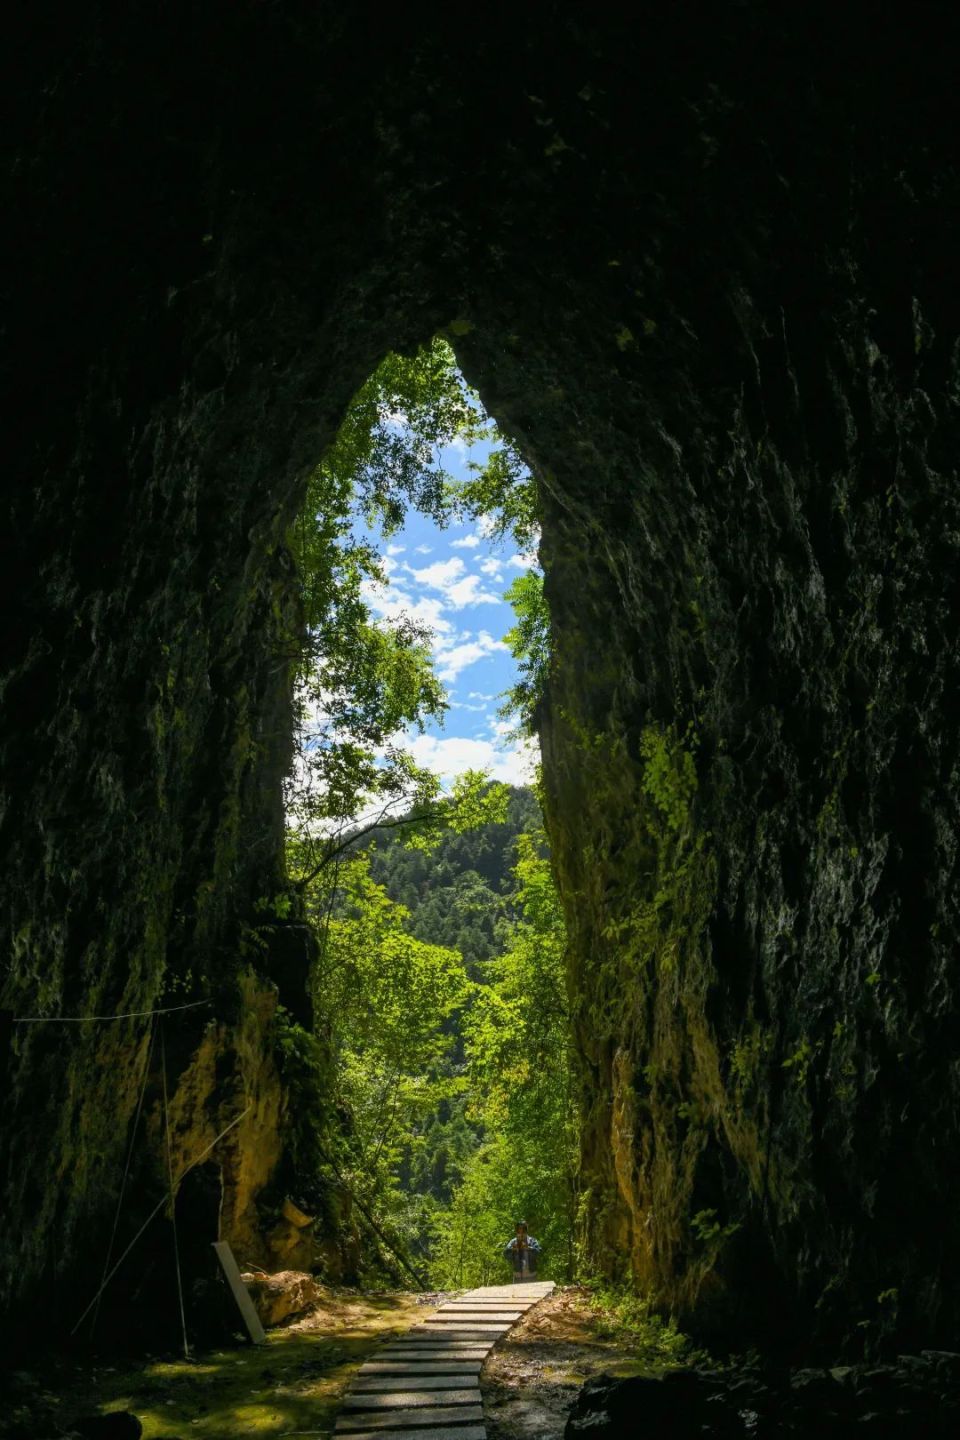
(415, 841)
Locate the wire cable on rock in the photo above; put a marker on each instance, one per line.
(156, 1211)
(173, 1195)
(126, 1172)
(90, 1019)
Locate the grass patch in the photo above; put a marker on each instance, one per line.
(628, 1321)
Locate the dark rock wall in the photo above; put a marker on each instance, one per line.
(743, 415)
(703, 276)
(179, 357)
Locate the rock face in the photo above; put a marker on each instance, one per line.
(703, 276)
(916, 1398)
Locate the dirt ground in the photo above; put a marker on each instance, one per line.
(531, 1379)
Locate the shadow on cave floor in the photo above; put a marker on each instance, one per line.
(293, 1384)
(533, 1376)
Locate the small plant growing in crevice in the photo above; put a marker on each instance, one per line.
(708, 1230)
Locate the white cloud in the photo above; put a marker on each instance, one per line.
(452, 659)
(457, 588)
(440, 574)
(493, 567)
(523, 562)
(396, 549)
(380, 598)
(391, 602)
(466, 542)
(465, 592)
(500, 729)
(486, 526)
(452, 755)
(479, 695)
(427, 611)
(424, 549)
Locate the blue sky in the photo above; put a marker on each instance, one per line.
(453, 580)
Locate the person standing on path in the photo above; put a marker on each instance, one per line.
(523, 1251)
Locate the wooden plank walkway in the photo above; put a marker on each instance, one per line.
(425, 1385)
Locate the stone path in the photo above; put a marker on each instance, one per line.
(426, 1383)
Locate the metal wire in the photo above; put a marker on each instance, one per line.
(156, 1211)
(173, 1195)
(126, 1169)
(89, 1019)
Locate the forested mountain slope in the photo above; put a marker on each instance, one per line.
(458, 894)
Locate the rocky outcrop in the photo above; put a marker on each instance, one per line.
(702, 275)
(232, 1084)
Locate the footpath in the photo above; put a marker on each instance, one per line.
(426, 1384)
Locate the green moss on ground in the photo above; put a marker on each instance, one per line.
(294, 1383)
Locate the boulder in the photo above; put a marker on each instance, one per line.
(684, 1405)
(117, 1425)
(283, 1296)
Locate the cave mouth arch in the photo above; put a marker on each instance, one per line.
(415, 460)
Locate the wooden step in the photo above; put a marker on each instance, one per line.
(510, 1293)
(411, 1379)
(440, 1336)
(433, 1364)
(471, 1431)
(484, 1307)
(420, 1366)
(404, 1419)
(463, 1322)
(442, 1340)
(459, 1327)
(423, 1350)
(492, 1299)
(397, 1399)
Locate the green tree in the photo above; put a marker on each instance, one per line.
(529, 642)
(383, 1001)
(517, 1041)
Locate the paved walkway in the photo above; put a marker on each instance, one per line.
(426, 1383)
